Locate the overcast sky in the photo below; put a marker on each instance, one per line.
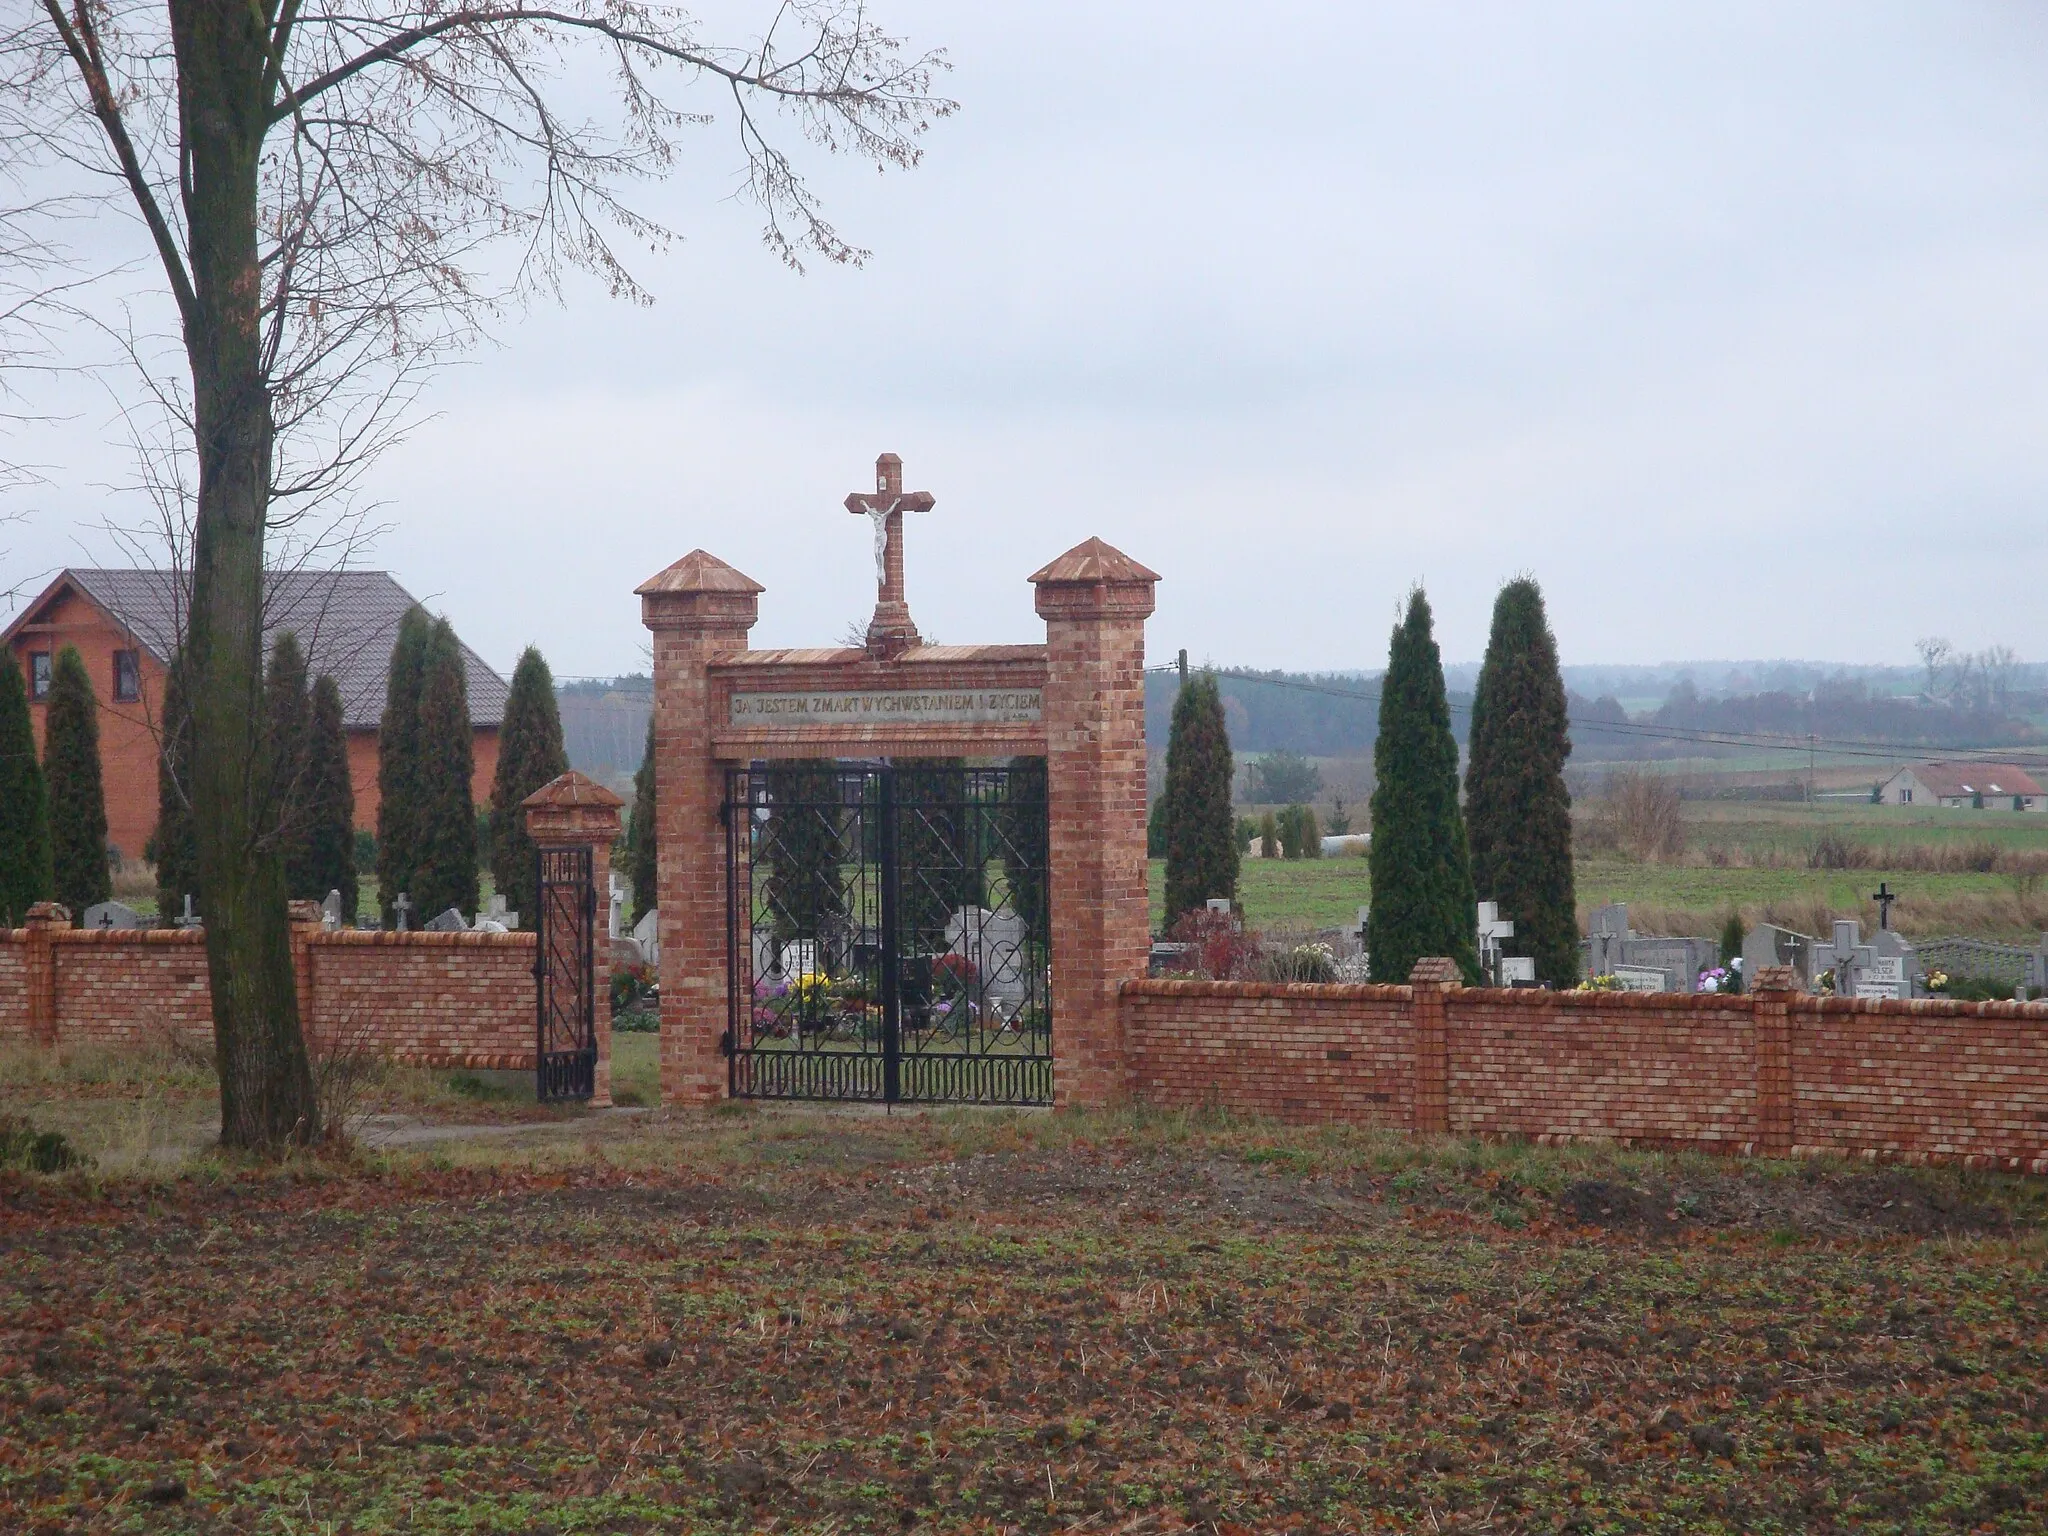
(1728, 322)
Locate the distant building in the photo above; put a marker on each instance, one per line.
(1964, 786)
(127, 624)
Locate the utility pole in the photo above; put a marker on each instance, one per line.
(1809, 768)
(1183, 666)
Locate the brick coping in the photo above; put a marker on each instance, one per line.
(519, 939)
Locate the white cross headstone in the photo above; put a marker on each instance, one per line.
(403, 908)
(330, 912)
(188, 918)
(1492, 929)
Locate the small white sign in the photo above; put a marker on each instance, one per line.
(1877, 989)
(1640, 978)
(1889, 969)
(937, 706)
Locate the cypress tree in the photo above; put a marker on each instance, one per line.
(1201, 831)
(939, 851)
(444, 871)
(641, 832)
(290, 730)
(78, 801)
(398, 743)
(530, 754)
(1026, 842)
(1516, 803)
(173, 846)
(1269, 836)
(329, 842)
(24, 808)
(1422, 902)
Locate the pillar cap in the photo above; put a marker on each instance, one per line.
(1775, 978)
(1094, 580)
(698, 572)
(569, 790)
(1435, 971)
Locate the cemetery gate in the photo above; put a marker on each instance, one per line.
(888, 933)
(565, 976)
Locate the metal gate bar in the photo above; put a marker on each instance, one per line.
(565, 977)
(888, 938)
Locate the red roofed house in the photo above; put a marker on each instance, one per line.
(127, 625)
(1964, 786)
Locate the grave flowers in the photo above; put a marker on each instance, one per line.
(1713, 979)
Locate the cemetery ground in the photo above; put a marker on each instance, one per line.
(811, 1320)
(1979, 873)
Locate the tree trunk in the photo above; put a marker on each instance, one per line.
(266, 1083)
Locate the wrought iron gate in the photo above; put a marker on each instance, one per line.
(565, 977)
(888, 934)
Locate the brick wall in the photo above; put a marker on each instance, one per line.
(1302, 1053)
(429, 999)
(1916, 1081)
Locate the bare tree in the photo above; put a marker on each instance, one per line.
(323, 187)
(1997, 663)
(1935, 652)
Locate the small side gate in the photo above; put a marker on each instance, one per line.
(565, 977)
(888, 932)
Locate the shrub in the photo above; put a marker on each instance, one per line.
(331, 847)
(1422, 901)
(1201, 858)
(640, 833)
(24, 807)
(23, 1146)
(530, 754)
(1223, 950)
(444, 819)
(398, 742)
(1299, 962)
(78, 802)
(1640, 815)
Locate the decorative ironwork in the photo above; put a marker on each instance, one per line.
(888, 932)
(565, 977)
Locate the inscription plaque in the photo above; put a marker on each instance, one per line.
(929, 706)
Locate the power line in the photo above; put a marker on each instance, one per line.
(1882, 751)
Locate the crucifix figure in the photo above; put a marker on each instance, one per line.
(890, 632)
(1884, 896)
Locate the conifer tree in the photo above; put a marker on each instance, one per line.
(530, 754)
(1422, 901)
(329, 842)
(1201, 831)
(1269, 836)
(173, 847)
(78, 802)
(444, 871)
(1516, 803)
(24, 808)
(290, 727)
(641, 832)
(398, 746)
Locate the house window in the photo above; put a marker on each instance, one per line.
(38, 675)
(128, 676)
(1905, 797)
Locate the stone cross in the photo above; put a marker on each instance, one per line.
(890, 633)
(400, 908)
(1884, 896)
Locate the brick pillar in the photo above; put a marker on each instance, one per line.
(1431, 981)
(305, 922)
(42, 921)
(1771, 992)
(698, 609)
(1094, 601)
(572, 812)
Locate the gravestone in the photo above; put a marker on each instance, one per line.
(497, 912)
(621, 899)
(450, 921)
(188, 918)
(993, 943)
(330, 912)
(646, 933)
(112, 914)
(1640, 963)
(402, 909)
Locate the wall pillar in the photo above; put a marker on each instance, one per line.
(1431, 981)
(42, 921)
(568, 813)
(1094, 600)
(305, 918)
(1772, 991)
(698, 610)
